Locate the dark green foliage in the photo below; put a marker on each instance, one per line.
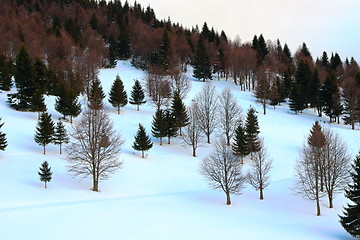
(330, 95)
(142, 141)
(159, 125)
(3, 142)
(262, 47)
(60, 135)
(123, 41)
(73, 28)
(45, 172)
(287, 52)
(201, 61)
(44, 131)
(117, 95)
(38, 102)
(137, 95)
(350, 219)
(178, 110)
(335, 61)
(252, 131)
(5, 73)
(96, 95)
(240, 145)
(41, 78)
(325, 60)
(305, 50)
(67, 103)
(314, 90)
(170, 124)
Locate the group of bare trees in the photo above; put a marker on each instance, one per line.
(323, 166)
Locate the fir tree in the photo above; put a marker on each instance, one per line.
(350, 219)
(158, 125)
(142, 141)
(60, 135)
(330, 95)
(41, 79)
(38, 102)
(287, 52)
(178, 110)
(96, 95)
(3, 142)
(240, 145)
(262, 48)
(67, 103)
(201, 62)
(170, 124)
(117, 95)
(252, 131)
(137, 95)
(5, 73)
(44, 130)
(45, 173)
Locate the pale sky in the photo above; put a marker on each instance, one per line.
(324, 25)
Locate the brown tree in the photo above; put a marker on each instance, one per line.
(192, 133)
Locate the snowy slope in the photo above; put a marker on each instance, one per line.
(162, 196)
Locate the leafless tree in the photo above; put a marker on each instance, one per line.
(263, 87)
(230, 113)
(207, 113)
(95, 147)
(336, 165)
(179, 82)
(192, 133)
(223, 170)
(258, 176)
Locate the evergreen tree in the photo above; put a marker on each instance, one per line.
(350, 219)
(201, 61)
(67, 103)
(5, 73)
(262, 48)
(44, 131)
(38, 102)
(137, 95)
(3, 142)
(255, 43)
(123, 43)
(60, 135)
(165, 51)
(45, 173)
(41, 79)
(252, 131)
(178, 110)
(170, 124)
(96, 95)
(240, 145)
(287, 52)
(314, 91)
(117, 95)
(142, 141)
(159, 125)
(330, 95)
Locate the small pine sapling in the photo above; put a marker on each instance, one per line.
(60, 135)
(45, 173)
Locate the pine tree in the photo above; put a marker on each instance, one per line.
(170, 124)
(331, 97)
(67, 103)
(201, 62)
(45, 173)
(350, 219)
(158, 125)
(252, 131)
(41, 79)
(117, 95)
(44, 131)
(38, 102)
(5, 73)
(178, 110)
(142, 141)
(96, 95)
(60, 135)
(3, 142)
(240, 145)
(137, 95)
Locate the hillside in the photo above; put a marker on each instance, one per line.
(162, 196)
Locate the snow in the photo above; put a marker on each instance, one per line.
(162, 196)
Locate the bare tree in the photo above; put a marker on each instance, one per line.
(336, 165)
(95, 147)
(230, 113)
(179, 82)
(258, 176)
(192, 133)
(263, 88)
(207, 101)
(223, 170)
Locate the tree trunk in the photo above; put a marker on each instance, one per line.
(330, 201)
(45, 184)
(95, 185)
(137, 107)
(118, 108)
(160, 141)
(264, 107)
(168, 140)
(208, 138)
(194, 152)
(317, 207)
(142, 154)
(44, 149)
(60, 149)
(180, 132)
(261, 194)
(228, 201)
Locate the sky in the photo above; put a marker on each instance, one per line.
(324, 25)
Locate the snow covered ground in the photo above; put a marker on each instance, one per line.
(162, 196)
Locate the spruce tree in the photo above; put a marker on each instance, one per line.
(5, 73)
(41, 79)
(330, 95)
(252, 131)
(170, 124)
(45, 172)
(60, 135)
(3, 141)
(137, 95)
(201, 62)
(38, 102)
(44, 131)
(240, 145)
(158, 125)
(96, 95)
(142, 141)
(117, 95)
(178, 110)
(67, 103)
(350, 219)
